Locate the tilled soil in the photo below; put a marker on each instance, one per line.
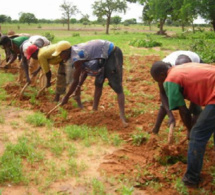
(153, 160)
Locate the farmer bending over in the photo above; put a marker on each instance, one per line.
(12, 49)
(45, 58)
(110, 67)
(173, 59)
(37, 40)
(194, 82)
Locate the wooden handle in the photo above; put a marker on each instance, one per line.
(170, 135)
(52, 110)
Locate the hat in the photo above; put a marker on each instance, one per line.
(4, 40)
(61, 46)
(30, 50)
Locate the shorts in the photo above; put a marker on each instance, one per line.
(112, 71)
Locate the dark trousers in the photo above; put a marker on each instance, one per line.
(200, 134)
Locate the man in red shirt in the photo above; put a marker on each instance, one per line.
(194, 82)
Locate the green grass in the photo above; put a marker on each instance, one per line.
(5, 78)
(38, 120)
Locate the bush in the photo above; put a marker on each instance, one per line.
(205, 49)
(145, 43)
(49, 36)
(76, 35)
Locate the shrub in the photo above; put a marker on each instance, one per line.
(145, 43)
(49, 36)
(76, 35)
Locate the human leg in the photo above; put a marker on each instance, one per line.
(61, 82)
(113, 71)
(200, 134)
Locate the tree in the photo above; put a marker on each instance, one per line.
(85, 19)
(27, 18)
(107, 7)
(185, 12)
(116, 20)
(4, 18)
(207, 11)
(146, 16)
(68, 10)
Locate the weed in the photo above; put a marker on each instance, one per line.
(140, 137)
(116, 140)
(38, 119)
(180, 187)
(25, 149)
(10, 168)
(125, 190)
(87, 134)
(73, 167)
(98, 187)
(63, 113)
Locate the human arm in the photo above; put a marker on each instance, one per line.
(25, 65)
(165, 104)
(195, 110)
(10, 58)
(75, 82)
(186, 118)
(44, 64)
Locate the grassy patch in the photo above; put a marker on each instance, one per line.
(38, 120)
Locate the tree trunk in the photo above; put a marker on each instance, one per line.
(107, 25)
(213, 24)
(182, 26)
(161, 31)
(193, 27)
(68, 24)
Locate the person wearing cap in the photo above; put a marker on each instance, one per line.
(45, 58)
(12, 48)
(39, 41)
(173, 59)
(111, 58)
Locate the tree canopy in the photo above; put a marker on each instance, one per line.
(107, 7)
(27, 18)
(68, 10)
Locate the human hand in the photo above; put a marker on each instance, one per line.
(171, 121)
(65, 100)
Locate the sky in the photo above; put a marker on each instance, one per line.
(50, 9)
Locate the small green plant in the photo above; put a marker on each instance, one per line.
(63, 113)
(125, 190)
(98, 187)
(116, 140)
(73, 167)
(38, 119)
(10, 168)
(76, 34)
(140, 137)
(180, 187)
(39, 26)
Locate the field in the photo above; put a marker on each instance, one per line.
(90, 152)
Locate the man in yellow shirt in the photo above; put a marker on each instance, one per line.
(45, 58)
